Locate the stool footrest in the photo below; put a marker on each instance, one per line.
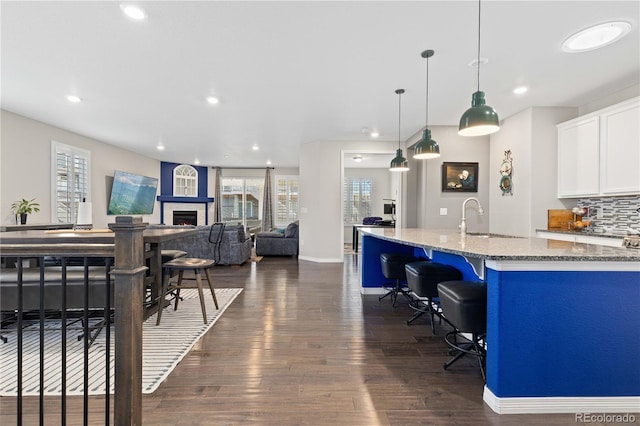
(473, 346)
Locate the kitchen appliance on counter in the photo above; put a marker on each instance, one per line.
(631, 241)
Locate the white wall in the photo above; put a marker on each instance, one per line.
(25, 147)
(531, 135)
(321, 228)
(613, 98)
(427, 174)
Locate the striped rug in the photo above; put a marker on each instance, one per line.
(164, 347)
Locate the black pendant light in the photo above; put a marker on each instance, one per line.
(480, 119)
(426, 147)
(399, 163)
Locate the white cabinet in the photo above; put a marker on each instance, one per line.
(578, 162)
(599, 153)
(620, 149)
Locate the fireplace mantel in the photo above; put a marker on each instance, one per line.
(172, 199)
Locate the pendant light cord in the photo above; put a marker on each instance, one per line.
(478, 63)
(399, 115)
(426, 118)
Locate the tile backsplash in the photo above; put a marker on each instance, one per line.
(610, 214)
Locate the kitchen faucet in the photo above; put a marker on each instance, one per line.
(463, 223)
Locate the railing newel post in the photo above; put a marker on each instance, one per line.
(129, 272)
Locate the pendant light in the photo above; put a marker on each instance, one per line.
(399, 163)
(480, 119)
(427, 148)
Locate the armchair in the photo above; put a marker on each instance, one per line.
(277, 243)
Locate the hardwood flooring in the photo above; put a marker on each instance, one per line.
(302, 346)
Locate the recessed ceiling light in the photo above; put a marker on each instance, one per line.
(196, 161)
(73, 98)
(595, 37)
(374, 133)
(133, 12)
(520, 90)
(255, 147)
(160, 147)
(357, 158)
(213, 100)
(268, 162)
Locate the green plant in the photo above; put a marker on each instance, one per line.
(25, 206)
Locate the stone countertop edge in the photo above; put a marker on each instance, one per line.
(583, 233)
(504, 248)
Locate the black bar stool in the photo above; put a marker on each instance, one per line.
(423, 278)
(464, 306)
(393, 269)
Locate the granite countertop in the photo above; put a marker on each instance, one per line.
(618, 235)
(502, 247)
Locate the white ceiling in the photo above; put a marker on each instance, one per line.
(292, 72)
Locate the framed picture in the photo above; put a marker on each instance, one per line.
(459, 177)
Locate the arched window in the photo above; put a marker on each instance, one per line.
(185, 181)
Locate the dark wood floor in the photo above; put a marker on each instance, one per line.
(302, 346)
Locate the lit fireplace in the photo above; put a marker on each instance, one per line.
(185, 217)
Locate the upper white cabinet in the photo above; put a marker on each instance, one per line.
(578, 158)
(599, 153)
(620, 149)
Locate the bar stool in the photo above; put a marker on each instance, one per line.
(186, 264)
(423, 278)
(393, 268)
(464, 306)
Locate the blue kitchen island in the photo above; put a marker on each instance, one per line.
(563, 319)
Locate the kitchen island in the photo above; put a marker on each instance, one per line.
(563, 318)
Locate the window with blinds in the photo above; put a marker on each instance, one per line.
(71, 172)
(286, 200)
(185, 181)
(357, 199)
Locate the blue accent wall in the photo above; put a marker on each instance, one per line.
(166, 179)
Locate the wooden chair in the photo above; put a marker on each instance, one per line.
(195, 265)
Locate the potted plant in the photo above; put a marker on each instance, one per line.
(23, 208)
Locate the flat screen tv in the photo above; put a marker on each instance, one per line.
(132, 194)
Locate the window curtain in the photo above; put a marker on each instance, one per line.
(267, 202)
(217, 197)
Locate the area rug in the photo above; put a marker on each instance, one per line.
(164, 347)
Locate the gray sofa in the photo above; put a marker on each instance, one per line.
(235, 248)
(276, 243)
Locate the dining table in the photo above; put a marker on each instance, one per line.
(153, 239)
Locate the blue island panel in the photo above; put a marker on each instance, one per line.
(371, 249)
(561, 333)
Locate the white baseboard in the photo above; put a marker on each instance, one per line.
(549, 405)
(322, 259)
(373, 290)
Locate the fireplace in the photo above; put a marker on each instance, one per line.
(185, 217)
